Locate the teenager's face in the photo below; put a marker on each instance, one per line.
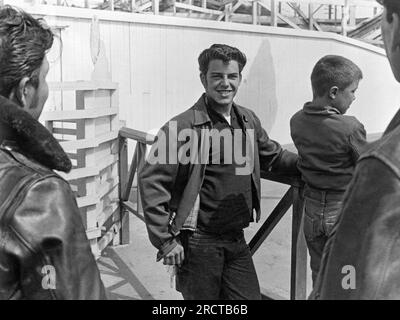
(391, 39)
(344, 98)
(38, 98)
(222, 81)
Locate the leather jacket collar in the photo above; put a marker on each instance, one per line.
(20, 132)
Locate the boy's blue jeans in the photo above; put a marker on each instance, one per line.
(321, 211)
(217, 267)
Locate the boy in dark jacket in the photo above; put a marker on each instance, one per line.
(329, 144)
(361, 257)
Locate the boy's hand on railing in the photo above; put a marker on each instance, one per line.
(175, 256)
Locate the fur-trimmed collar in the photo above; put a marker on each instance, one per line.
(31, 137)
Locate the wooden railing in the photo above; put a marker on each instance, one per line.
(127, 176)
(293, 197)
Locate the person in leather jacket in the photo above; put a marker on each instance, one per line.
(44, 251)
(361, 259)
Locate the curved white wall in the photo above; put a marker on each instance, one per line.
(154, 60)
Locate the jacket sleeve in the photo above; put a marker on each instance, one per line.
(358, 141)
(156, 182)
(58, 263)
(272, 156)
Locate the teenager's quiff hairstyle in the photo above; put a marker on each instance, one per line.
(391, 6)
(221, 52)
(332, 71)
(24, 42)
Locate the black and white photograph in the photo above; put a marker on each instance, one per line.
(200, 154)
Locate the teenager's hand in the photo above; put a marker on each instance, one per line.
(175, 256)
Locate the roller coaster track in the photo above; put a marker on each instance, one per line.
(369, 31)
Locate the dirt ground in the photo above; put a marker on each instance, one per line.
(130, 272)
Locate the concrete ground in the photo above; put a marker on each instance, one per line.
(130, 272)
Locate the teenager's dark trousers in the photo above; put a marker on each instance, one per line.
(217, 267)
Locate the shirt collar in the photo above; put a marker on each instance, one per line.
(201, 115)
(216, 116)
(311, 108)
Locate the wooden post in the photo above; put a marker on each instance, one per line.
(255, 11)
(112, 5)
(190, 2)
(204, 3)
(132, 171)
(345, 17)
(274, 13)
(299, 250)
(352, 13)
(156, 6)
(89, 100)
(311, 16)
(228, 12)
(123, 174)
(335, 14)
(141, 161)
(94, 178)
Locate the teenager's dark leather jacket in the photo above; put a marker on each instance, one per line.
(44, 251)
(361, 259)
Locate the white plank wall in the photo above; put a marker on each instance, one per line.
(154, 60)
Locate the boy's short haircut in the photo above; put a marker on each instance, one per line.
(333, 70)
(221, 52)
(391, 6)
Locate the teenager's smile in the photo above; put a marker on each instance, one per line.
(222, 81)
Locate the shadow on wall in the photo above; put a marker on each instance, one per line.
(258, 89)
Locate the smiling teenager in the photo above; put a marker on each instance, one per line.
(195, 212)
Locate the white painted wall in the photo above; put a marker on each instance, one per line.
(154, 60)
